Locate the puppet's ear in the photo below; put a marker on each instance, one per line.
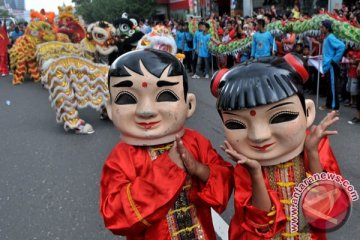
(191, 102)
(215, 81)
(310, 112)
(108, 109)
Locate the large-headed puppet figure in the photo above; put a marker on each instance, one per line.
(265, 117)
(160, 181)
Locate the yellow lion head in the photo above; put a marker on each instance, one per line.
(66, 12)
(40, 30)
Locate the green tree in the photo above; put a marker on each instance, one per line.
(4, 13)
(109, 10)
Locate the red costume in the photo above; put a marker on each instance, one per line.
(252, 223)
(4, 42)
(145, 195)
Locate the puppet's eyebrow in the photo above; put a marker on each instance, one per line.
(162, 83)
(126, 83)
(279, 105)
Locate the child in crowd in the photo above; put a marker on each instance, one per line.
(353, 57)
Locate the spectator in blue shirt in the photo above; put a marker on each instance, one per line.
(180, 38)
(188, 48)
(196, 44)
(15, 34)
(263, 43)
(203, 54)
(333, 50)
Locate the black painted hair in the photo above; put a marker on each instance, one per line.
(155, 61)
(257, 83)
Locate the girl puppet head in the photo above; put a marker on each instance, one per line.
(264, 113)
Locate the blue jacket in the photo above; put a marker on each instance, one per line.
(333, 50)
(180, 40)
(196, 38)
(262, 45)
(188, 37)
(202, 45)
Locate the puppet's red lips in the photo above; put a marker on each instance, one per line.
(148, 125)
(264, 147)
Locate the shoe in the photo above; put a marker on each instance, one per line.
(354, 121)
(195, 76)
(84, 129)
(3, 75)
(207, 76)
(104, 115)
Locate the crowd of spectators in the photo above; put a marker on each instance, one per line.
(193, 43)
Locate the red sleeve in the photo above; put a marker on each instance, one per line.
(248, 221)
(136, 191)
(326, 155)
(216, 191)
(232, 33)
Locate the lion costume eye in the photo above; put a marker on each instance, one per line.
(124, 27)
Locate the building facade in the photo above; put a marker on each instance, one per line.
(180, 8)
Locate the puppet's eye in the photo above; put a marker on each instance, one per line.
(283, 116)
(167, 96)
(124, 98)
(234, 124)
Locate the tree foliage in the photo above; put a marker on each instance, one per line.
(4, 13)
(109, 10)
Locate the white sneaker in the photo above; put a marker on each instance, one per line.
(85, 129)
(195, 76)
(207, 76)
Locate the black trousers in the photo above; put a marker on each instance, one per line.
(194, 61)
(332, 92)
(188, 61)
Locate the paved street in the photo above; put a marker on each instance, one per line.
(49, 179)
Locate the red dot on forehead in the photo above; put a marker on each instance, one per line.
(253, 113)
(144, 84)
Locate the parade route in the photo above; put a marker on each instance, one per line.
(49, 179)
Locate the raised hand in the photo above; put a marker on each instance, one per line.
(192, 166)
(317, 132)
(312, 140)
(252, 165)
(175, 156)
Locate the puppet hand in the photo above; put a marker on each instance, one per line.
(192, 166)
(175, 157)
(318, 132)
(252, 165)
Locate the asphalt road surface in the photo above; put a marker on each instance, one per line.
(49, 179)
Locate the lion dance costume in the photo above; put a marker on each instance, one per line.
(22, 54)
(73, 78)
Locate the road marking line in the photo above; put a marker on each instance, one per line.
(221, 227)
